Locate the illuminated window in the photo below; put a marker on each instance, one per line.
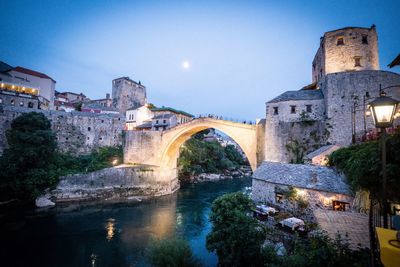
(309, 108)
(1, 100)
(365, 39)
(340, 41)
(293, 109)
(357, 61)
(276, 111)
(21, 104)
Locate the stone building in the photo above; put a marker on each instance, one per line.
(77, 132)
(331, 110)
(23, 77)
(127, 94)
(296, 186)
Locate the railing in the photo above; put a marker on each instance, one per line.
(376, 220)
(217, 117)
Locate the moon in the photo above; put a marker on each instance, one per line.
(186, 65)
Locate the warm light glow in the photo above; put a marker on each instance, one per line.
(115, 162)
(368, 113)
(2, 84)
(185, 65)
(110, 229)
(384, 113)
(13, 86)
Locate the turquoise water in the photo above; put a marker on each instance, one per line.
(113, 234)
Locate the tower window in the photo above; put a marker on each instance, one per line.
(21, 104)
(357, 61)
(309, 108)
(12, 101)
(340, 41)
(365, 39)
(276, 111)
(293, 109)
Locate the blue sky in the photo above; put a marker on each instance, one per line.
(241, 53)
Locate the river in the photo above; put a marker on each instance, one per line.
(113, 234)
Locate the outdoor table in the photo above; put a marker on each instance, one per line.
(390, 255)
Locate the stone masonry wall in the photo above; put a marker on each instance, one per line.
(264, 192)
(342, 90)
(77, 132)
(128, 94)
(339, 58)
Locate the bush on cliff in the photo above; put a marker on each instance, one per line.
(27, 164)
(362, 165)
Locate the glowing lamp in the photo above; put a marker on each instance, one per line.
(383, 109)
(115, 162)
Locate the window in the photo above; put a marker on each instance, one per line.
(278, 197)
(102, 121)
(12, 102)
(357, 61)
(21, 104)
(164, 121)
(88, 128)
(309, 108)
(276, 111)
(293, 109)
(156, 121)
(364, 39)
(340, 41)
(1, 100)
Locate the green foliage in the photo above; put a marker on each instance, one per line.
(172, 253)
(320, 250)
(363, 167)
(296, 151)
(78, 106)
(25, 163)
(199, 156)
(235, 236)
(32, 162)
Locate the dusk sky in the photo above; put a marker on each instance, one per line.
(240, 53)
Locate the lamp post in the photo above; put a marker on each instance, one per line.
(383, 109)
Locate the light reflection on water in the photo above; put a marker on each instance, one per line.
(114, 234)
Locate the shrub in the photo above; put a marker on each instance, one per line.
(171, 252)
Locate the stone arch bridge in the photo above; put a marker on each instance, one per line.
(160, 149)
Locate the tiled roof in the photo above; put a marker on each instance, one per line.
(171, 110)
(395, 62)
(4, 67)
(302, 176)
(32, 72)
(298, 95)
(145, 125)
(322, 150)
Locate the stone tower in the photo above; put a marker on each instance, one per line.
(127, 93)
(344, 50)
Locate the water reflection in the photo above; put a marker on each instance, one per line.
(116, 234)
(110, 228)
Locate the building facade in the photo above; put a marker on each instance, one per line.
(27, 78)
(331, 110)
(127, 94)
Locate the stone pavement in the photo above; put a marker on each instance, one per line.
(354, 224)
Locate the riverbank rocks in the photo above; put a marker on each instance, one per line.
(44, 201)
(226, 174)
(121, 182)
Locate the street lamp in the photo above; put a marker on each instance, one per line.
(383, 109)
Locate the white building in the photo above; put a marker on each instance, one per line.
(137, 116)
(24, 77)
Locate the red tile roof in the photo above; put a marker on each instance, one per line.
(32, 72)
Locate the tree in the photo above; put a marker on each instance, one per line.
(25, 163)
(235, 236)
(172, 253)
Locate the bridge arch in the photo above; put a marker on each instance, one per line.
(243, 134)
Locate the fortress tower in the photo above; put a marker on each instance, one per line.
(127, 94)
(344, 50)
